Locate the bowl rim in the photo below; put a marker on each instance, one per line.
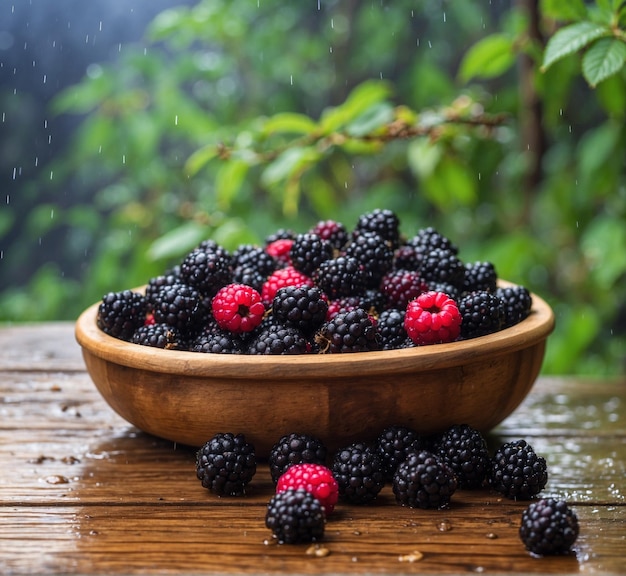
(532, 330)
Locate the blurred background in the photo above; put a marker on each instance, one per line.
(131, 130)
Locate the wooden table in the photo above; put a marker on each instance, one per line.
(82, 491)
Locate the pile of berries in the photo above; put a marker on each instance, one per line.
(328, 290)
(423, 471)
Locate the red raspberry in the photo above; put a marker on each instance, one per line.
(279, 249)
(238, 308)
(314, 478)
(282, 278)
(432, 318)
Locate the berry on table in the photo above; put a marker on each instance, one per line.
(548, 527)
(432, 318)
(316, 479)
(464, 449)
(226, 464)
(394, 444)
(295, 516)
(359, 474)
(517, 471)
(295, 448)
(424, 481)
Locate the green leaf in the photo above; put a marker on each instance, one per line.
(200, 158)
(602, 244)
(571, 39)
(564, 9)
(605, 58)
(488, 58)
(289, 122)
(374, 117)
(358, 101)
(596, 148)
(229, 179)
(178, 241)
(451, 183)
(289, 162)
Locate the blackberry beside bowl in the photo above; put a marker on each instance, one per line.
(187, 397)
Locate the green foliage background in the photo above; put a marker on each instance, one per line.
(239, 117)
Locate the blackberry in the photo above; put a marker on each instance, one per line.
(374, 255)
(548, 527)
(428, 239)
(308, 251)
(333, 231)
(480, 276)
(352, 331)
(280, 234)
(382, 221)
(250, 276)
(226, 464)
(424, 481)
(407, 257)
(347, 303)
(158, 336)
(207, 271)
(303, 307)
(464, 449)
(295, 516)
(391, 329)
(248, 256)
(358, 471)
(481, 313)
(517, 471)
(517, 303)
(214, 340)
(341, 276)
(277, 339)
(210, 245)
(158, 282)
(442, 265)
(445, 287)
(180, 306)
(295, 448)
(121, 313)
(399, 287)
(394, 444)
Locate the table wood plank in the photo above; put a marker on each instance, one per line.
(82, 491)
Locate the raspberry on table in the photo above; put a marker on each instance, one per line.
(316, 479)
(423, 480)
(226, 464)
(238, 308)
(432, 318)
(295, 516)
(517, 471)
(549, 527)
(359, 473)
(295, 448)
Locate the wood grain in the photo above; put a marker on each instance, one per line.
(84, 492)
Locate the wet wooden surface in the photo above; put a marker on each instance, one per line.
(83, 492)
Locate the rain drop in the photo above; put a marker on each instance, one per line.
(430, 44)
(176, 120)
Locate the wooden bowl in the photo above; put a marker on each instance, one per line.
(187, 397)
